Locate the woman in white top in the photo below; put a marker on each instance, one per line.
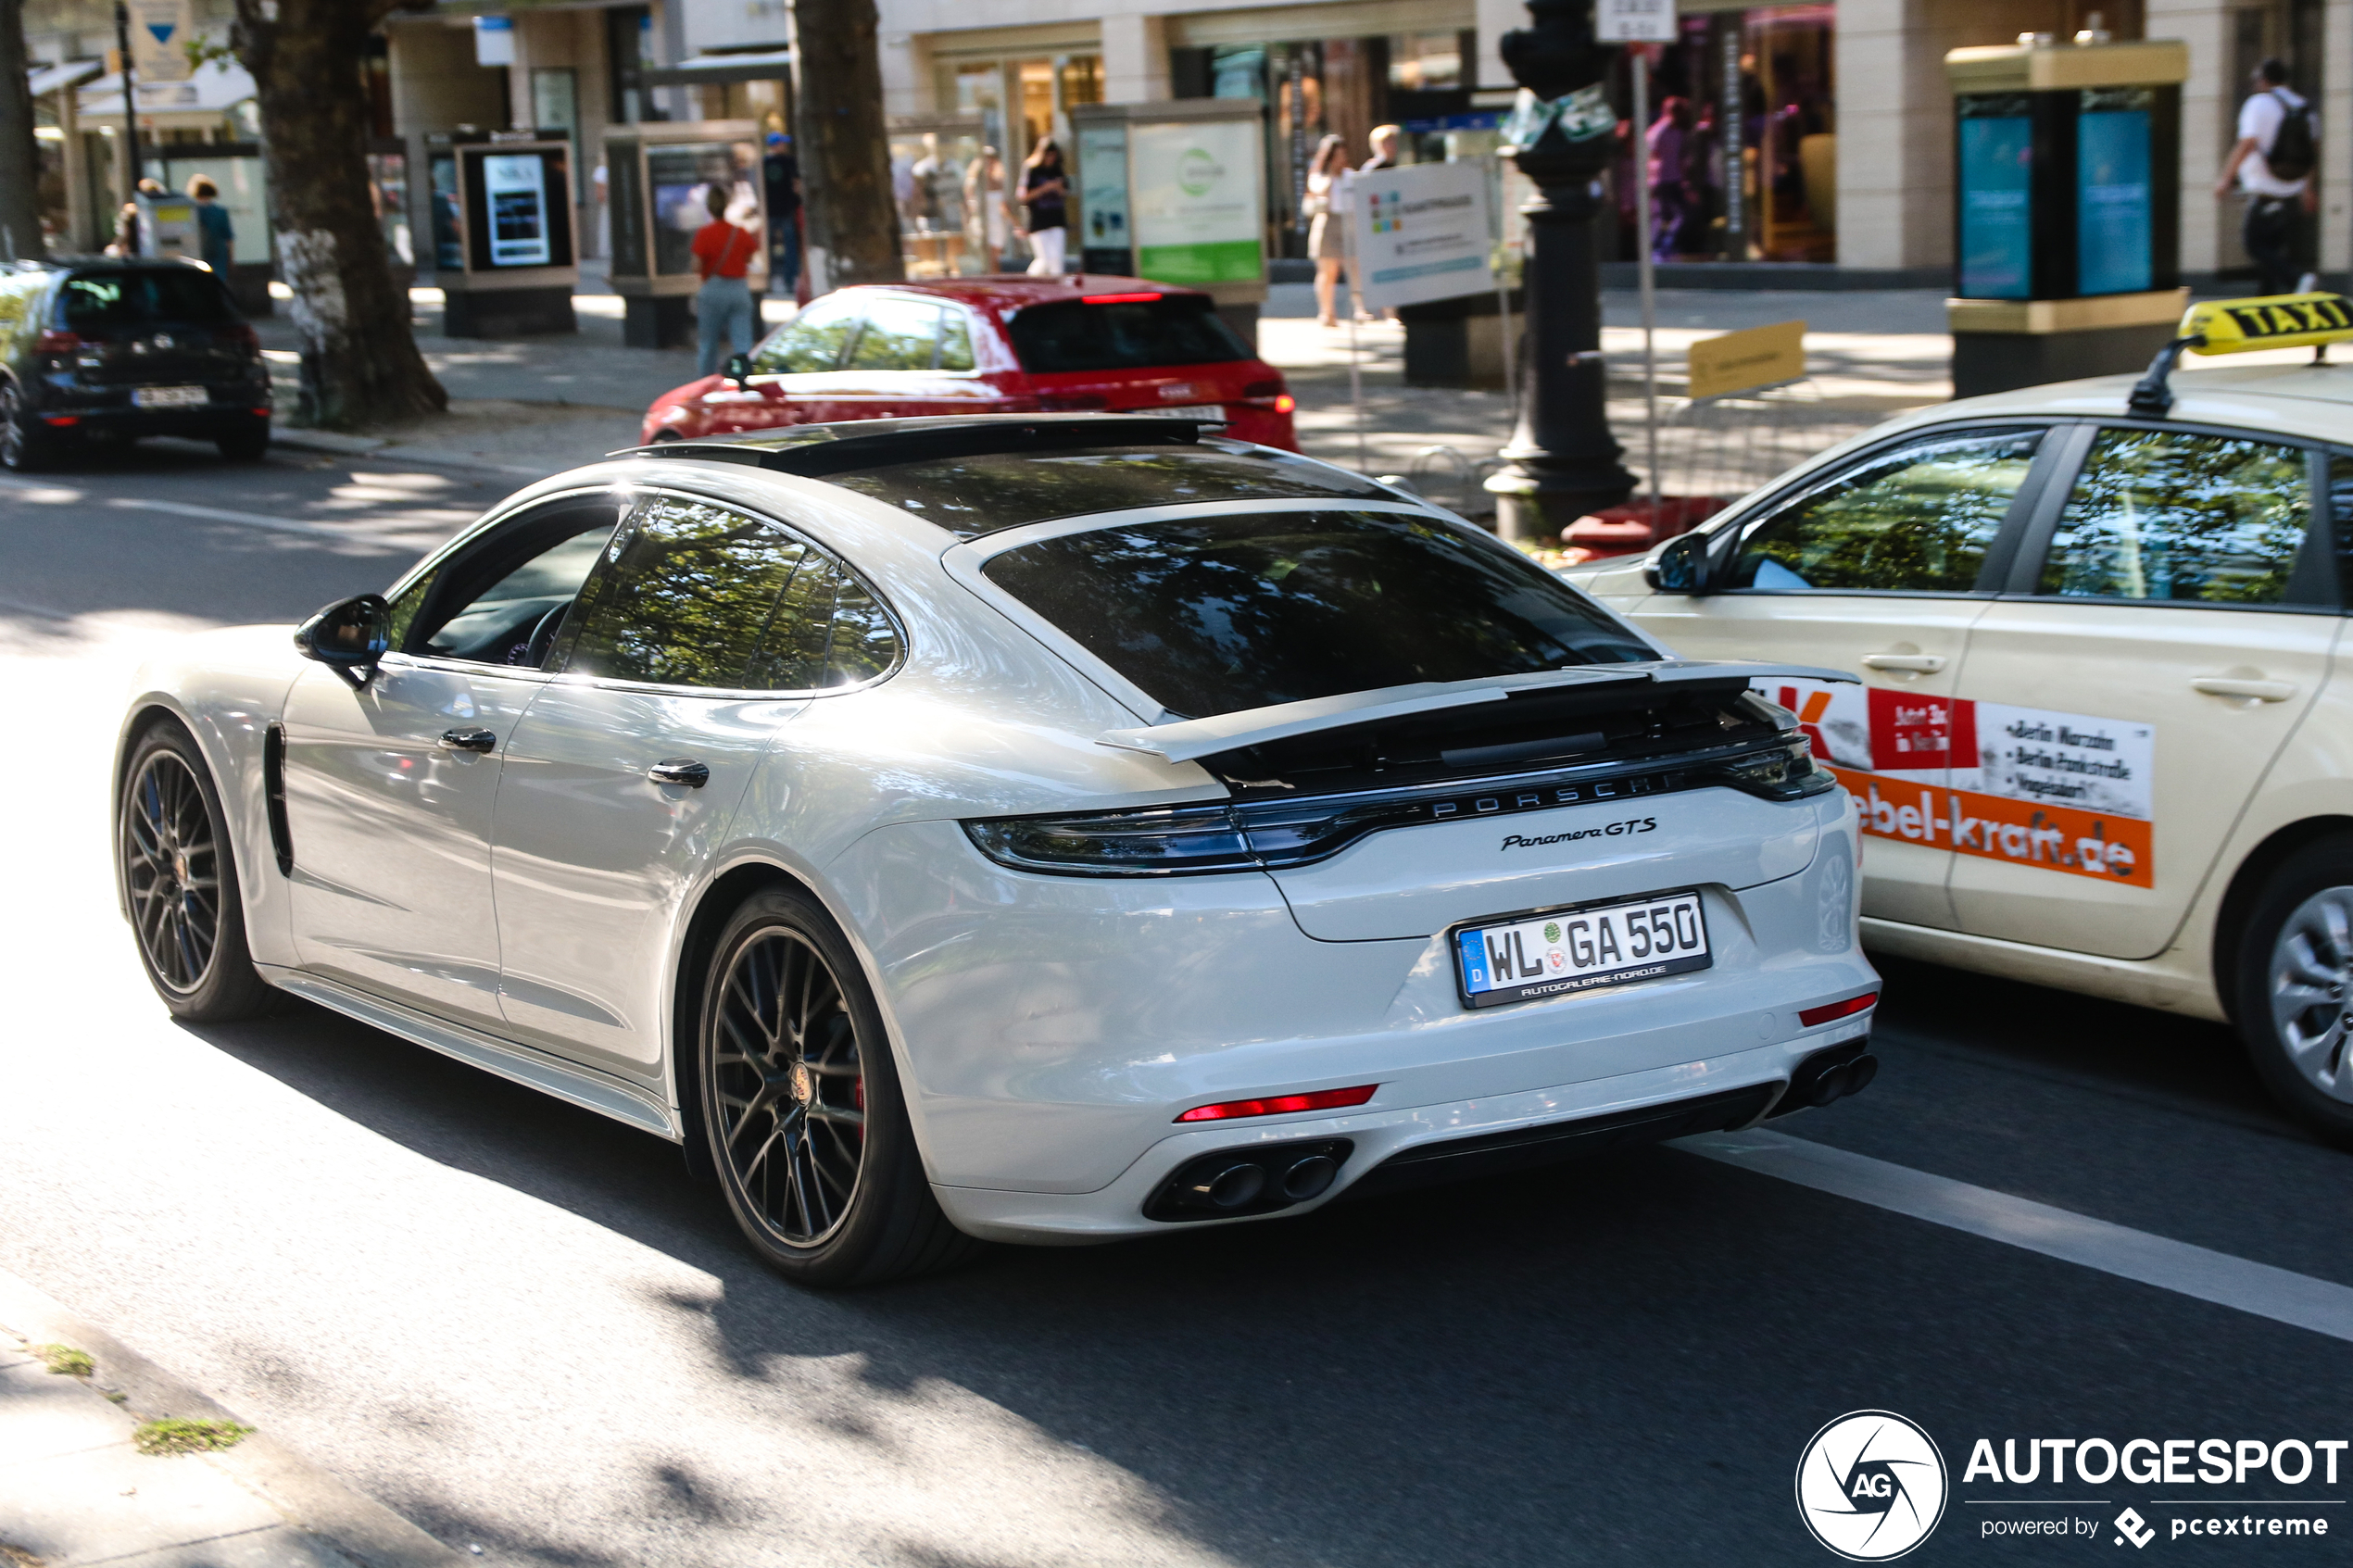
(1326, 240)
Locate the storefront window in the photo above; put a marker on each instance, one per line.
(1740, 151)
(937, 184)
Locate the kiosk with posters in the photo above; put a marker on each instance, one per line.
(2066, 221)
(502, 233)
(1173, 191)
(659, 175)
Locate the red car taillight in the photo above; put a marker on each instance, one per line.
(1279, 1105)
(1269, 394)
(56, 342)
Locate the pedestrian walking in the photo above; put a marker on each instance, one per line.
(1328, 231)
(2272, 163)
(1384, 140)
(216, 237)
(723, 307)
(780, 172)
(1668, 146)
(1043, 188)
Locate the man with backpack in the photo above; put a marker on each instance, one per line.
(2278, 146)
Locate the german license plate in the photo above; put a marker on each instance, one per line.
(169, 397)
(1194, 411)
(1577, 949)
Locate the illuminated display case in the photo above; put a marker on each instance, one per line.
(659, 175)
(2066, 209)
(1174, 192)
(502, 240)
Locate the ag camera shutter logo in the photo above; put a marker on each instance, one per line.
(1871, 1486)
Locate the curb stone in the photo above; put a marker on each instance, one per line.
(362, 1529)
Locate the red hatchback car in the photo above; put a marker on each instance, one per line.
(991, 345)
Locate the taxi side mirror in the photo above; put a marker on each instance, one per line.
(348, 636)
(738, 369)
(1680, 566)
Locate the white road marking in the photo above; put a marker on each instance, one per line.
(2187, 1270)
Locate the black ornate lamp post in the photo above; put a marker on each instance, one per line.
(1562, 461)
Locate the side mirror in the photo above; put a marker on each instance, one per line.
(348, 637)
(1680, 566)
(738, 369)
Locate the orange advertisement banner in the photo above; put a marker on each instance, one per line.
(2058, 838)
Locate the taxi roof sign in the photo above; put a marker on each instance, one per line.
(2241, 326)
(2280, 320)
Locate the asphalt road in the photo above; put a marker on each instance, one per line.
(525, 1328)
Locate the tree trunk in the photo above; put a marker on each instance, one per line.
(843, 148)
(19, 158)
(360, 359)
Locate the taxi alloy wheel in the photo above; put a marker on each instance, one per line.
(2294, 986)
(801, 1108)
(2311, 989)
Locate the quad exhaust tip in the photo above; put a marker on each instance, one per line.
(1233, 1184)
(1829, 1075)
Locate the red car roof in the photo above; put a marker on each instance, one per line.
(1009, 290)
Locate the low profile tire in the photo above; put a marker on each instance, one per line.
(2295, 986)
(801, 1108)
(180, 882)
(25, 444)
(244, 446)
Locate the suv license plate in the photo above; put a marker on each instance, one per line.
(1577, 949)
(169, 397)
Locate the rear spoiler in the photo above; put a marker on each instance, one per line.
(1190, 739)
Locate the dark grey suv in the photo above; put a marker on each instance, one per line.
(127, 349)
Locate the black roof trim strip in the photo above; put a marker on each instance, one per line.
(979, 437)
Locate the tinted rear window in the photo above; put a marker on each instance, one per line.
(139, 299)
(1139, 335)
(1214, 615)
(970, 497)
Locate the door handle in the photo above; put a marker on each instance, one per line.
(679, 771)
(1918, 664)
(469, 740)
(2263, 690)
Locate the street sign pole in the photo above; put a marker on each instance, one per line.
(129, 111)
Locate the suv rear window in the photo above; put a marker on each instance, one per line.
(1070, 334)
(1215, 615)
(139, 298)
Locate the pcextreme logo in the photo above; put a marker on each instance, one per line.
(1871, 1486)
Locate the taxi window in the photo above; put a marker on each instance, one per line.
(1917, 518)
(2180, 518)
(2341, 520)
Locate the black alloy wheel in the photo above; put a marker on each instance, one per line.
(787, 1087)
(180, 883)
(22, 447)
(802, 1109)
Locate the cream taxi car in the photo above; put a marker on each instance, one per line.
(2101, 741)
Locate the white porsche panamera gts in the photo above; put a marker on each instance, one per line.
(1033, 829)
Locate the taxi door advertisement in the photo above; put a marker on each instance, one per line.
(2035, 787)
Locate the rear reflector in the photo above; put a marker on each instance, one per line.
(1118, 298)
(1275, 1105)
(1809, 1017)
(61, 420)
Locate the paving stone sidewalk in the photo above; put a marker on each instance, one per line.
(76, 1490)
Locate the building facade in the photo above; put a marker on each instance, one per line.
(1816, 133)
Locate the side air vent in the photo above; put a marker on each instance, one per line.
(274, 786)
